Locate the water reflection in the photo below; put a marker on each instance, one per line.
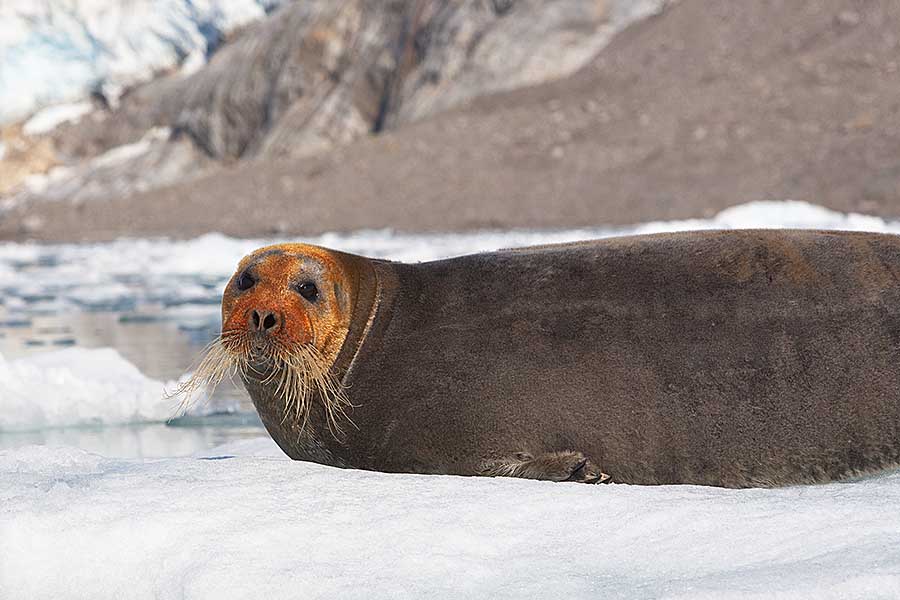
(153, 440)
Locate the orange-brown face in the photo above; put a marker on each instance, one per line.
(292, 294)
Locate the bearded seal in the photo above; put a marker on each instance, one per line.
(750, 358)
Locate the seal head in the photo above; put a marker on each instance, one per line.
(287, 313)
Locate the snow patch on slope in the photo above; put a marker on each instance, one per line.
(126, 152)
(50, 118)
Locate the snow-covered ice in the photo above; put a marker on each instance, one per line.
(58, 51)
(249, 523)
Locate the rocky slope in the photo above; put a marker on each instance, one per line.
(701, 107)
(319, 74)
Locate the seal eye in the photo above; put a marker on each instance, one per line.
(245, 281)
(308, 290)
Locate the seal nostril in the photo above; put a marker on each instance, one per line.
(255, 317)
(269, 322)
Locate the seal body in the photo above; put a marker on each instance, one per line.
(739, 358)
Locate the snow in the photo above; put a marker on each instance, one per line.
(126, 152)
(249, 523)
(77, 387)
(50, 118)
(58, 51)
(769, 214)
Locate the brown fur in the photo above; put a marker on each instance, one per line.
(745, 358)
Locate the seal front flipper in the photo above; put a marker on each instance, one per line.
(552, 466)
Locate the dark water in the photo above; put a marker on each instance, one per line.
(163, 348)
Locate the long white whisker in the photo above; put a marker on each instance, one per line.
(221, 358)
(297, 373)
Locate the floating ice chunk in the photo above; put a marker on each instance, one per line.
(197, 312)
(795, 214)
(38, 182)
(772, 214)
(109, 296)
(189, 293)
(77, 386)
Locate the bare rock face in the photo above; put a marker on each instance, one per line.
(459, 51)
(320, 73)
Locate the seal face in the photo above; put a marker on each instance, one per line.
(291, 295)
(286, 314)
(744, 358)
